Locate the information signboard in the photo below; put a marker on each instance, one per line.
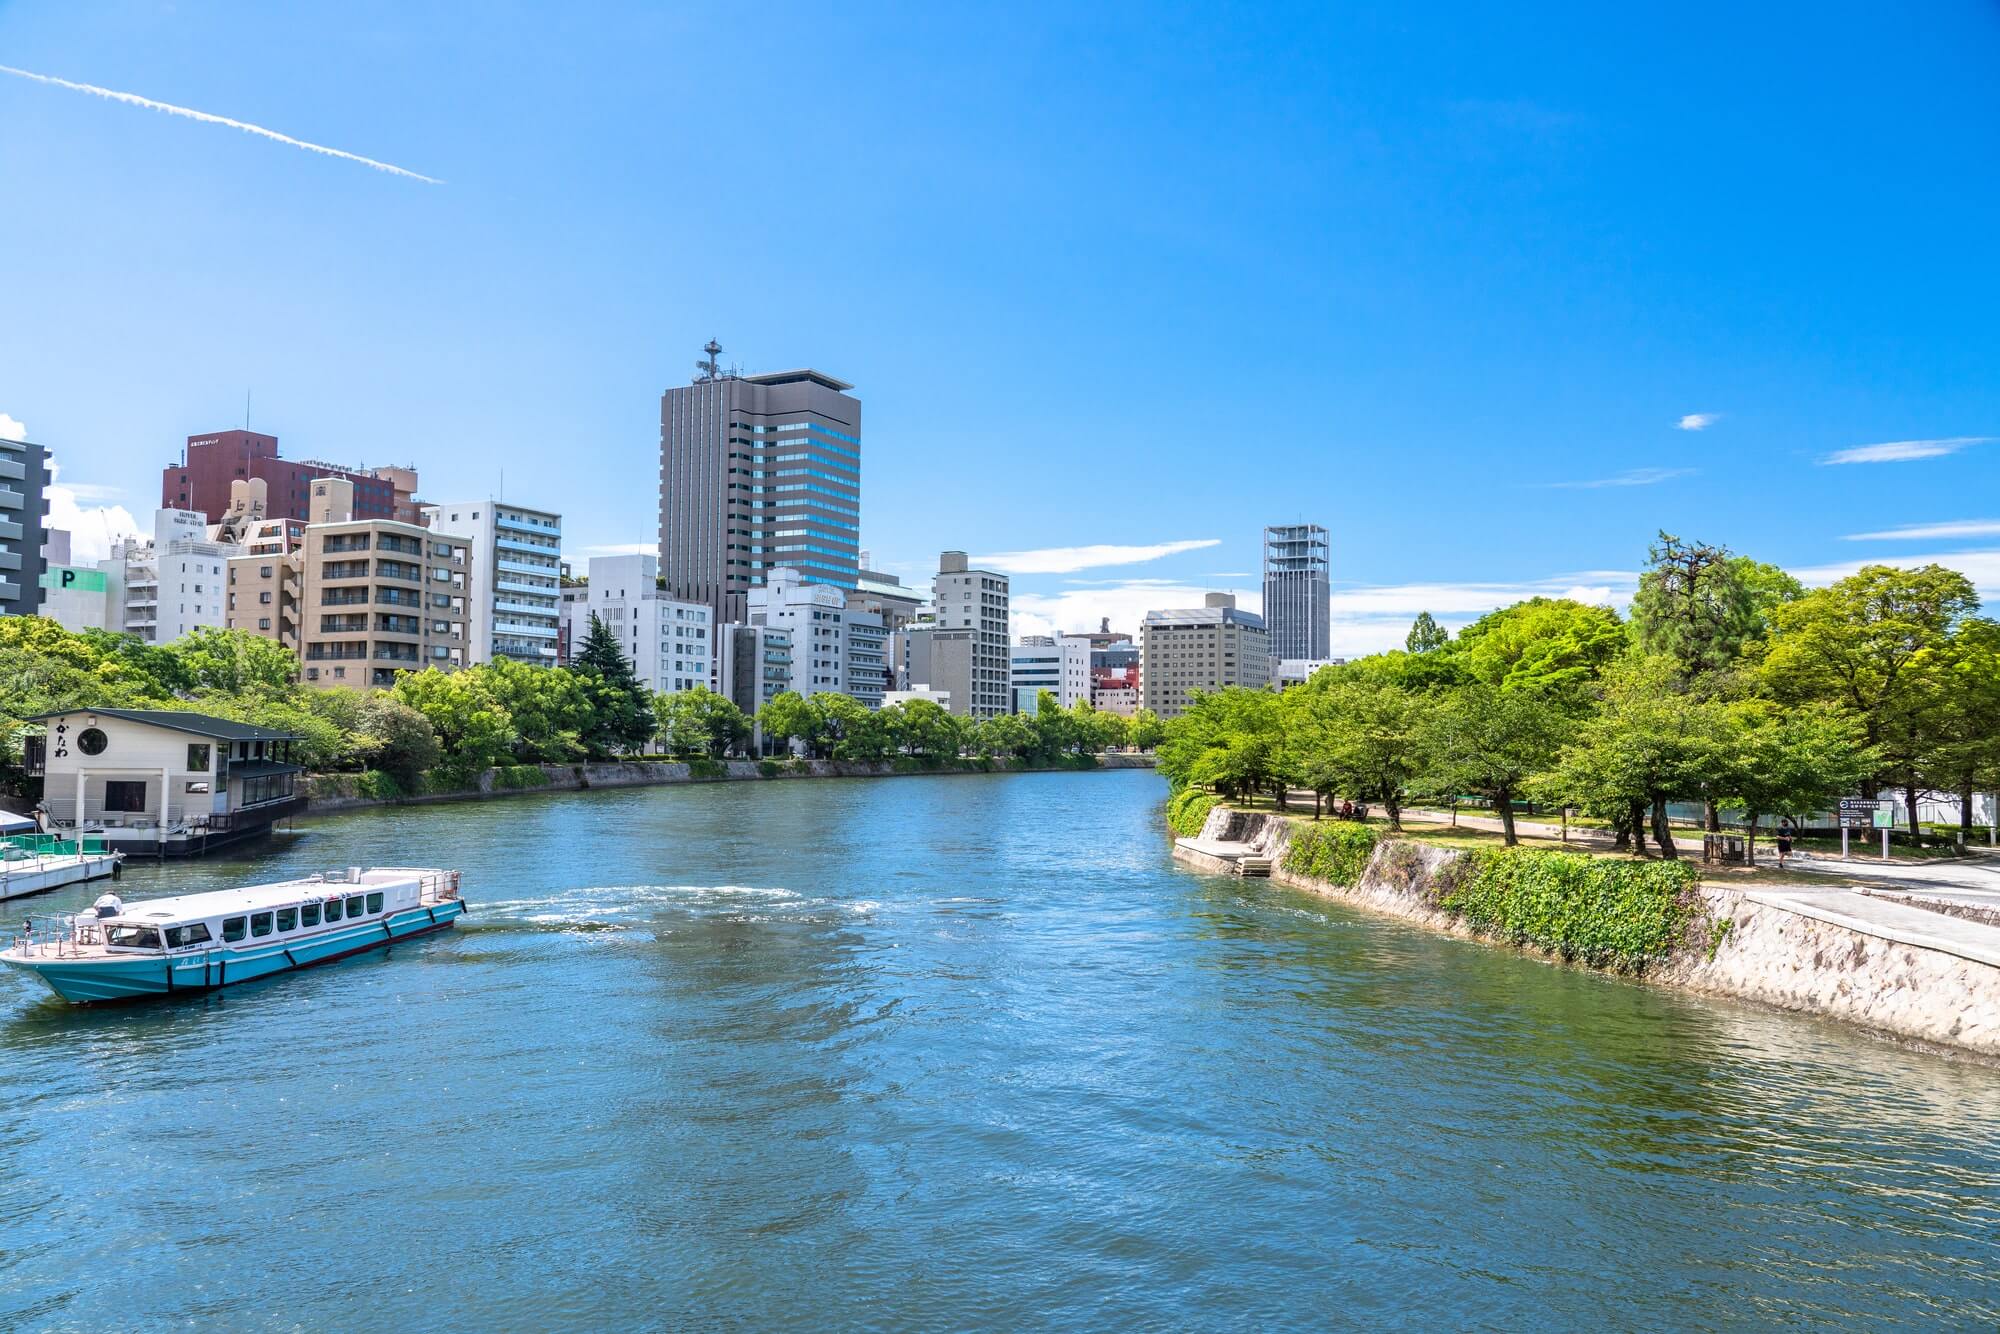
(1860, 812)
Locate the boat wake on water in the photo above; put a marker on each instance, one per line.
(627, 907)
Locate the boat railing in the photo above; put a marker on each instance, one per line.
(56, 845)
(437, 887)
(54, 936)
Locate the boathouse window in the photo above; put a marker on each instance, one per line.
(333, 910)
(133, 937)
(309, 915)
(123, 794)
(288, 919)
(260, 924)
(374, 903)
(198, 758)
(355, 906)
(179, 937)
(233, 927)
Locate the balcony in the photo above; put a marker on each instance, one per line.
(523, 629)
(547, 569)
(550, 549)
(13, 470)
(526, 608)
(528, 526)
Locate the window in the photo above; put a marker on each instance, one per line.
(333, 910)
(197, 789)
(356, 906)
(125, 795)
(234, 928)
(133, 937)
(91, 741)
(198, 758)
(180, 937)
(309, 915)
(260, 924)
(374, 903)
(288, 919)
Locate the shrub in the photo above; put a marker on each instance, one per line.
(700, 766)
(1187, 810)
(769, 768)
(1604, 913)
(378, 784)
(1335, 853)
(517, 776)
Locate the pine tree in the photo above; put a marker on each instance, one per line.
(621, 708)
(1426, 634)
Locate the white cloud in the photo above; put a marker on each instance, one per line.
(1066, 560)
(1636, 477)
(1903, 451)
(1697, 421)
(11, 429)
(91, 528)
(1928, 532)
(206, 118)
(1981, 567)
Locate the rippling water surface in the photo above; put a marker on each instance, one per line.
(951, 1053)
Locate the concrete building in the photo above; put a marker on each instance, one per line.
(263, 598)
(869, 672)
(161, 587)
(375, 597)
(941, 698)
(1058, 664)
(24, 508)
(1200, 648)
(211, 464)
(672, 644)
(754, 664)
(1115, 697)
(1297, 595)
(1297, 671)
(1114, 675)
(73, 596)
(886, 596)
(758, 472)
(516, 578)
(969, 650)
(816, 616)
(162, 782)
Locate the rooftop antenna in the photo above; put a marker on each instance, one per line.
(246, 408)
(710, 369)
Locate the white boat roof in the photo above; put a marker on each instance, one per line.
(258, 898)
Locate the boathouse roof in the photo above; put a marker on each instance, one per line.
(198, 724)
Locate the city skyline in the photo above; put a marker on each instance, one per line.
(1535, 314)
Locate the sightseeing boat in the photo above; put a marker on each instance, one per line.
(197, 942)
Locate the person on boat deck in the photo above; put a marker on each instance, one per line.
(108, 905)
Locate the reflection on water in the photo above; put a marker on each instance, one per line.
(954, 1052)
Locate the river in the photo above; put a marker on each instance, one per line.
(956, 1052)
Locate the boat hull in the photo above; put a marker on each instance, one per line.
(86, 981)
(55, 872)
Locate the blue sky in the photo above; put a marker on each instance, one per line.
(1447, 279)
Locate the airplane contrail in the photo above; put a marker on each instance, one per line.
(133, 99)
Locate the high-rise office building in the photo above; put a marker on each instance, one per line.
(1296, 593)
(515, 610)
(24, 475)
(757, 472)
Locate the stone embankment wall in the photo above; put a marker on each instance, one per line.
(1761, 951)
(335, 792)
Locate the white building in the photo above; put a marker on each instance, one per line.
(753, 664)
(869, 674)
(161, 587)
(1059, 665)
(72, 596)
(941, 698)
(816, 615)
(515, 607)
(671, 643)
(968, 652)
(1298, 671)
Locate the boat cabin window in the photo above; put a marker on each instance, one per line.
(333, 910)
(355, 906)
(233, 927)
(309, 915)
(288, 919)
(260, 924)
(133, 937)
(374, 903)
(179, 937)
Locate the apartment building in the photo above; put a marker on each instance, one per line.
(516, 576)
(757, 473)
(210, 466)
(24, 477)
(672, 644)
(754, 664)
(968, 652)
(374, 597)
(1200, 648)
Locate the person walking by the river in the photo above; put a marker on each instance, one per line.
(1785, 831)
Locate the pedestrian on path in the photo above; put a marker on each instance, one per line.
(1784, 841)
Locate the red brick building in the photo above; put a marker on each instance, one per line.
(221, 457)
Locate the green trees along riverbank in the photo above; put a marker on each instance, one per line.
(1730, 685)
(437, 731)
